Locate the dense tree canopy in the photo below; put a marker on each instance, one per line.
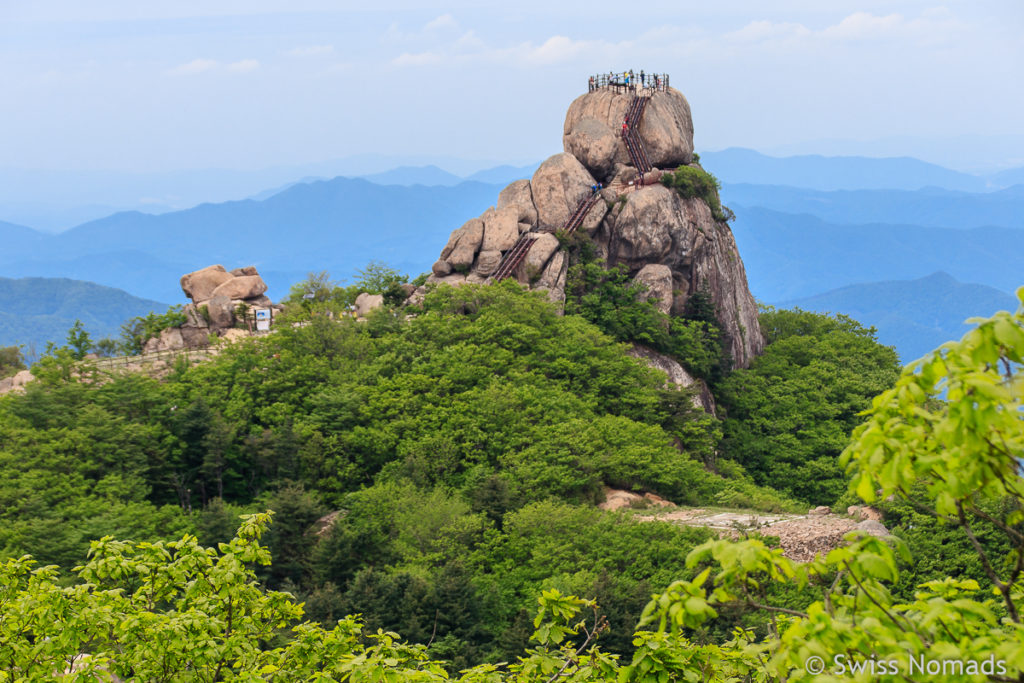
(790, 414)
(179, 612)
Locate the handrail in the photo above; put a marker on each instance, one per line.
(641, 83)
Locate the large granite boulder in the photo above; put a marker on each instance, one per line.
(672, 245)
(463, 244)
(241, 287)
(519, 195)
(501, 229)
(558, 186)
(169, 339)
(644, 226)
(220, 312)
(199, 285)
(487, 262)
(666, 130)
(597, 145)
(543, 247)
(365, 303)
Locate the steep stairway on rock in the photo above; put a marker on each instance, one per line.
(514, 256)
(582, 209)
(634, 145)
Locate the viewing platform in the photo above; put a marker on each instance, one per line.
(636, 82)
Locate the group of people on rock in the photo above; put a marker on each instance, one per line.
(628, 81)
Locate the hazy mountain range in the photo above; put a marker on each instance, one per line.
(797, 241)
(36, 310)
(915, 316)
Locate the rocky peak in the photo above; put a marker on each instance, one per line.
(672, 244)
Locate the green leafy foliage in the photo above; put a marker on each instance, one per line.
(179, 611)
(429, 437)
(11, 361)
(611, 300)
(789, 415)
(137, 331)
(693, 182)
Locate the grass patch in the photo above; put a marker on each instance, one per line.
(694, 182)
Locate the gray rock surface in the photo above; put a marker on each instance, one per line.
(368, 302)
(220, 312)
(170, 339)
(241, 287)
(666, 130)
(464, 243)
(454, 279)
(441, 268)
(543, 247)
(658, 226)
(873, 528)
(245, 270)
(597, 145)
(487, 262)
(21, 378)
(519, 195)
(558, 186)
(657, 279)
(199, 285)
(677, 376)
(501, 229)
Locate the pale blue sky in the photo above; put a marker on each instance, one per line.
(185, 84)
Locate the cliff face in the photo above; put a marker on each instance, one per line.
(671, 244)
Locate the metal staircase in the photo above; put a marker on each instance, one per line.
(514, 256)
(634, 145)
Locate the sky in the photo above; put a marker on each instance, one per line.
(157, 86)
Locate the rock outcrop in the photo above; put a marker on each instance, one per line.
(677, 376)
(672, 245)
(217, 295)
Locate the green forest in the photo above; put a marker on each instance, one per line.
(435, 470)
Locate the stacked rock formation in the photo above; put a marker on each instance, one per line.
(215, 295)
(671, 244)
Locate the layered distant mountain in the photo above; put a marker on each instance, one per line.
(932, 207)
(915, 316)
(36, 310)
(804, 225)
(816, 172)
(790, 256)
(337, 225)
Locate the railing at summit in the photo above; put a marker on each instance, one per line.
(629, 81)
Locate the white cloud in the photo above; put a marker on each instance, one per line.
(196, 66)
(243, 66)
(555, 49)
(442, 22)
(864, 25)
(311, 51)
